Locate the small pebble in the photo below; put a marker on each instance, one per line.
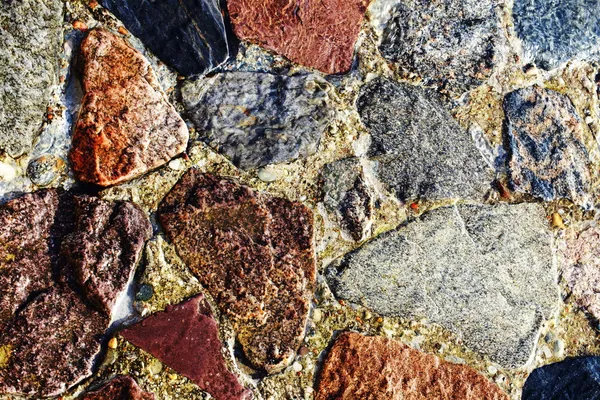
(559, 348)
(144, 293)
(557, 221)
(267, 175)
(113, 343)
(176, 164)
(317, 315)
(155, 367)
(492, 370)
(7, 172)
(297, 366)
(547, 352)
(302, 351)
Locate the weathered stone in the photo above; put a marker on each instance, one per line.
(574, 378)
(555, 31)
(119, 388)
(419, 149)
(30, 43)
(449, 44)
(348, 196)
(45, 169)
(278, 118)
(187, 35)
(253, 253)
(186, 338)
(103, 251)
(544, 141)
(318, 34)
(483, 272)
(50, 345)
(361, 367)
(126, 126)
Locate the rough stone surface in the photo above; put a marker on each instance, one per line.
(363, 367)
(125, 126)
(253, 253)
(45, 169)
(572, 379)
(450, 44)
(348, 196)
(30, 42)
(119, 388)
(419, 149)
(555, 31)
(51, 344)
(316, 34)
(187, 35)
(186, 338)
(544, 141)
(278, 118)
(483, 272)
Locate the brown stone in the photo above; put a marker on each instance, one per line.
(254, 254)
(363, 367)
(186, 338)
(126, 126)
(119, 388)
(319, 34)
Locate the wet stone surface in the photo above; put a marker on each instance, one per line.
(574, 378)
(44, 170)
(119, 388)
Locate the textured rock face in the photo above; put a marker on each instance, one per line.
(574, 378)
(483, 272)
(119, 388)
(30, 42)
(316, 34)
(278, 119)
(554, 31)
(186, 338)
(420, 150)
(50, 344)
(126, 126)
(362, 367)
(450, 44)
(254, 254)
(546, 155)
(188, 35)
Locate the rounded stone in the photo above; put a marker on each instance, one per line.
(45, 169)
(144, 293)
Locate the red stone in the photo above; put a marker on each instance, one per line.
(119, 388)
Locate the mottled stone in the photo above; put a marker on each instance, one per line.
(571, 379)
(51, 344)
(44, 170)
(555, 31)
(187, 35)
(186, 338)
(277, 119)
(484, 272)
(318, 34)
(126, 126)
(544, 141)
(253, 253)
(377, 368)
(119, 388)
(449, 44)
(419, 149)
(347, 195)
(30, 44)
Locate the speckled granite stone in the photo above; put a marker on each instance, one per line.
(571, 379)
(119, 388)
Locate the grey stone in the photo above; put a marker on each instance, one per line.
(555, 31)
(277, 119)
(30, 42)
(546, 156)
(483, 272)
(419, 149)
(44, 170)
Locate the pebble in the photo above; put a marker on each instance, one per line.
(155, 367)
(559, 348)
(45, 169)
(317, 315)
(297, 366)
(145, 293)
(492, 370)
(176, 165)
(557, 221)
(7, 172)
(113, 343)
(267, 175)
(547, 352)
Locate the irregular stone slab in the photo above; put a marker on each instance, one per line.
(574, 378)
(186, 338)
(126, 126)
(419, 149)
(103, 251)
(278, 119)
(121, 387)
(483, 272)
(544, 141)
(554, 31)
(348, 196)
(253, 253)
(187, 35)
(449, 44)
(361, 367)
(318, 34)
(30, 44)
(50, 345)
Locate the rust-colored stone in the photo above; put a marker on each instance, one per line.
(319, 34)
(126, 126)
(119, 388)
(363, 367)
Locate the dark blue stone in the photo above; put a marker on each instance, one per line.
(187, 35)
(572, 379)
